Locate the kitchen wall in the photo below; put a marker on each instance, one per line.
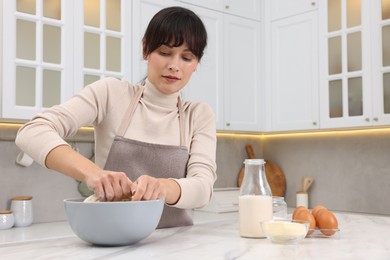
(351, 170)
(47, 187)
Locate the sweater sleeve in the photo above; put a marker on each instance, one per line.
(48, 129)
(197, 187)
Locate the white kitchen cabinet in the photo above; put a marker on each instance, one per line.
(243, 99)
(102, 38)
(381, 62)
(284, 8)
(228, 77)
(294, 73)
(354, 65)
(353, 70)
(250, 9)
(37, 57)
(52, 49)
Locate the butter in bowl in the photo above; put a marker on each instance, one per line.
(285, 231)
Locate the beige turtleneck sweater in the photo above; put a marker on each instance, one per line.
(103, 104)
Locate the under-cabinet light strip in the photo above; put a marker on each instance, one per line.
(262, 135)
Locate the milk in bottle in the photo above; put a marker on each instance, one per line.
(255, 200)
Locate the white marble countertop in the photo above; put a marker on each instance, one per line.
(214, 236)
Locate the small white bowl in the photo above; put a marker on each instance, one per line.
(7, 219)
(285, 231)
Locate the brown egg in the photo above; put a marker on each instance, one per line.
(305, 215)
(327, 222)
(316, 210)
(298, 209)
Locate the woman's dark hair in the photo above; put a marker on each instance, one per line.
(174, 26)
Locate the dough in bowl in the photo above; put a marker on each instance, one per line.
(94, 198)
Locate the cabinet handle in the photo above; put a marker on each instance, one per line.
(375, 119)
(314, 123)
(313, 3)
(227, 6)
(367, 119)
(227, 124)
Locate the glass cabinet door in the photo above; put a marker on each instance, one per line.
(356, 77)
(35, 68)
(53, 48)
(347, 74)
(345, 58)
(101, 40)
(381, 60)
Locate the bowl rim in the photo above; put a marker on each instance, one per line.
(81, 201)
(285, 220)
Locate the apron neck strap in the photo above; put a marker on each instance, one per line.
(181, 121)
(130, 112)
(131, 109)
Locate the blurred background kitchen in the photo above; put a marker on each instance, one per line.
(306, 83)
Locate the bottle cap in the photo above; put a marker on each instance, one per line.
(254, 161)
(22, 198)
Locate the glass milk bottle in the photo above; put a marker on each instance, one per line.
(255, 200)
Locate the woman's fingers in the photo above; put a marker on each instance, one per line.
(150, 189)
(108, 188)
(99, 192)
(147, 188)
(112, 186)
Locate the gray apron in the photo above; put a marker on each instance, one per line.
(136, 158)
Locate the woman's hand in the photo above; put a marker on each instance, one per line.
(150, 188)
(110, 185)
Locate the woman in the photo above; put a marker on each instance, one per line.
(148, 143)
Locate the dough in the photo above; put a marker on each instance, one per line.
(94, 198)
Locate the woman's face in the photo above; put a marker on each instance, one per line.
(170, 68)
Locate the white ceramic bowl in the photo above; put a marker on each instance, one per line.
(113, 223)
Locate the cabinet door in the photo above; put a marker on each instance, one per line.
(285, 8)
(37, 56)
(102, 32)
(54, 48)
(206, 83)
(381, 62)
(294, 73)
(345, 64)
(242, 74)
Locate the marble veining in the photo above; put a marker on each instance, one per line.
(214, 236)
